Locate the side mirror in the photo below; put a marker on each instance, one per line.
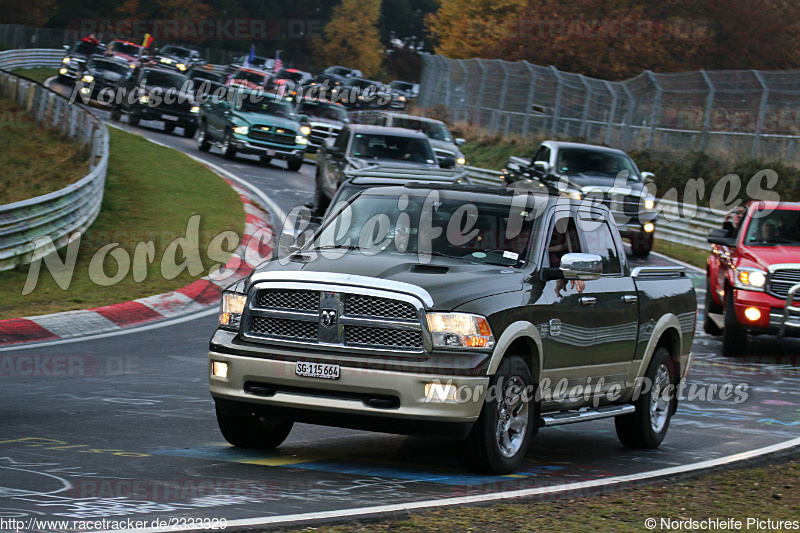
(721, 237)
(648, 177)
(447, 161)
(541, 166)
(460, 141)
(576, 266)
(289, 243)
(65, 47)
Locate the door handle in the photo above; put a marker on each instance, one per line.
(630, 298)
(587, 300)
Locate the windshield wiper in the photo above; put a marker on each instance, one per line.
(337, 247)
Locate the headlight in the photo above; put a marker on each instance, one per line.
(230, 312)
(574, 195)
(181, 66)
(241, 130)
(305, 130)
(751, 279)
(87, 79)
(65, 61)
(299, 139)
(62, 71)
(649, 203)
(460, 330)
(132, 65)
(144, 99)
(195, 109)
(461, 161)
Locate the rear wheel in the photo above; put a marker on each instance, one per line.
(709, 326)
(499, 439)
(252, 431)
(228, 151)
(203, 143)
(734, 336)
(647, 426)
(294, 164)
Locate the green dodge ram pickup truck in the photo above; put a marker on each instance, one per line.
(458, 310)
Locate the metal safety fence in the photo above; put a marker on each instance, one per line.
(736, 114)
(36, 227)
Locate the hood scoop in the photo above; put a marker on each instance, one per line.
(430, 269)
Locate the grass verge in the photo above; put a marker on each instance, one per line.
(764, 493)
(151, 192)
(37, 74)
(687, 254)
(35, 160)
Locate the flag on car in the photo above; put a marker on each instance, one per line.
(278, 62)
(251, 57)
(148, 40)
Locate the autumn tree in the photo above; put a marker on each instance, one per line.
(351, 37)
(31, 12)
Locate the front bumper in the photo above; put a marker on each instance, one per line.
(245, 145)
(168, 116)
(778, 317)
(271, 387)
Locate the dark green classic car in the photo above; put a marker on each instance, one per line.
(444, 309)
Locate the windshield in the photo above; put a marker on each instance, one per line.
(84, 49)
(111, 66)
(432, 130)
(286, 75)
(176, 51)
(781, 227)
(401, 86)
(322, 110)
(581, 161)
(124, 48)
(433, 225)
(202, 75)
(163, 79)
(252, 77)
(406, 149)
(362, 84)
(268, 105)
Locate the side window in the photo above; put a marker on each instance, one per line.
(341, 140)
(600, 241)
(563, 240)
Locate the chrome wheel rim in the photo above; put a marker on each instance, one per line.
(201, 136)
(512, 418)
(659, 404)
(226, 144)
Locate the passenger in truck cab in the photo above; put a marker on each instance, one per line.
(733, 220)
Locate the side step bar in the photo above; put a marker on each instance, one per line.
(584, 414)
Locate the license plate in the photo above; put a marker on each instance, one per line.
(271, 153)
(316, 370)
(169, 117)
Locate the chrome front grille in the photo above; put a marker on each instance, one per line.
(344, 319)
(369, 306)
(780, 281)
(264, 132)
(382, 337)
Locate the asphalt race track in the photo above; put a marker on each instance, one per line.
(122, 426)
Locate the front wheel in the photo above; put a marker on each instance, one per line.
(642, 244)
(252, 431)
(189, 131)
(709, 326)
(734, 336)
(133, 118)
(169, 127)
(203, 143)
(294, 164)
(647, 426)
(265, 159)
(116, 114)
(228, 151)
(499, 439)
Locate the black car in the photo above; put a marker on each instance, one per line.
(75, 57)
(201, 74)
(337, 75)
(403, 93)
(152, 93)
(177, 57)
(358, 93)
(101, 73)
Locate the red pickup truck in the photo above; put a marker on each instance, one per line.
(753, 275)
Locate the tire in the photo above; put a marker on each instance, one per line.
(709, 326)
(294, 164)
(647, 426)
(734, 336)
(228, 151)
(169, 128)
(202, 139)
(641, 244)
(500, 437)
(116, 114)
(251, 431)
(133, 118)
(265, 159)
(189, 131)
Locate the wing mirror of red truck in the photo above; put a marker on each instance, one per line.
(721, 237)
(576, 266)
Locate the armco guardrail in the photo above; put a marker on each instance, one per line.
(679, 223)
(31, 58)
(33, 228)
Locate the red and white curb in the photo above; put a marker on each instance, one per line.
(255, 247)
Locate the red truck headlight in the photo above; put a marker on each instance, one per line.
(751, 279)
